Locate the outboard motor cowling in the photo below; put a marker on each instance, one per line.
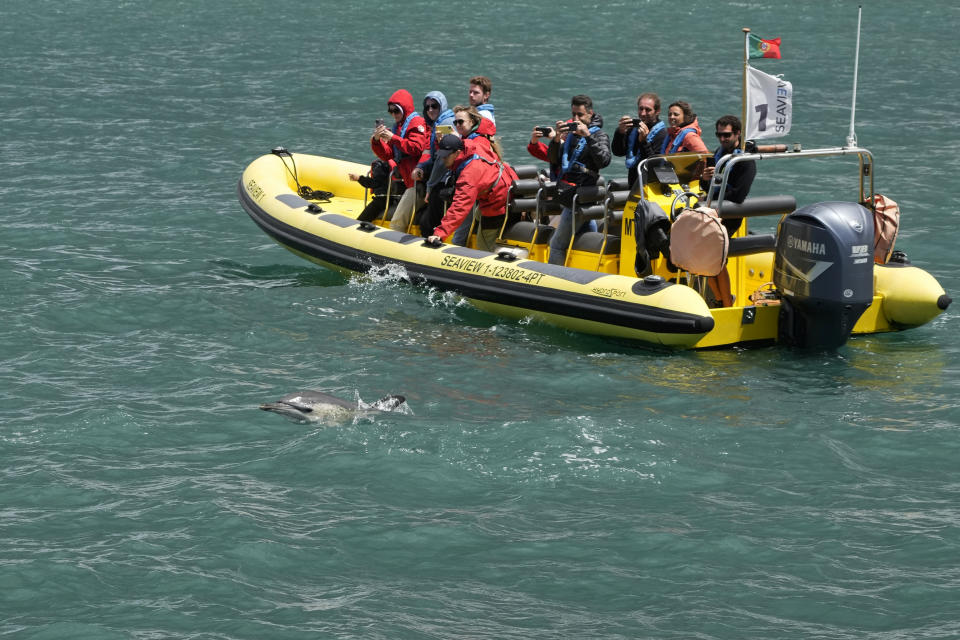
(824, 270)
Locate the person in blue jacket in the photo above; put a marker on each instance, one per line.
(641, 137)
(439, 119)
(580, 148)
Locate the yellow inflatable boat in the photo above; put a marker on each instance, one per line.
(810, 285)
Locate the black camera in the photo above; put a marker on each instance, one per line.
(544, 131)
(571, 126)
(378, 122)
(711, 161)
(636, 122)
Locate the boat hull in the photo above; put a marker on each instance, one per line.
(651, 310)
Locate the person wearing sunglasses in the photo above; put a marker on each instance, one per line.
(740, 180)
(403, 144)
(728, 130)
(471, 125)
(439, 119)
(683, 134)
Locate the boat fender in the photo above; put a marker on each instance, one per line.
(699, 242)
(886, 222)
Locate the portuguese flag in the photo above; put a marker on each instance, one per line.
(760, 48)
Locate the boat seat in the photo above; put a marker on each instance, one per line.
(592, 242)
(523, 232)
(753, 243)
(756, 206)
(613, 224)
(525, 187)
(618, 192)
(608, 209)
(590, 195)
(529, 205)
(618, 184)
(527, 171)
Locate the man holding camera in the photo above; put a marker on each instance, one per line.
(642, 137)
(578, 149)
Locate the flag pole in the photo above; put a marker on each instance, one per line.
(852, 137)
(746, 57)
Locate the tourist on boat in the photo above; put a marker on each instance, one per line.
(641, 137)
(404, 144)
(377, 182)
(683, 134)
(436, 113)
(578, 149)
(481, 178)
(728, 130)
(470, 124)
(439, 118)
(478, 95)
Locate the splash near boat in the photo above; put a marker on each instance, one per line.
(812, 284)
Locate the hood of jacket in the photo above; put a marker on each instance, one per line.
(404, 100)
(486, 127)
(444, 107)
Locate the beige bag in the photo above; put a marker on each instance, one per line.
(886, 222)
(699, 242)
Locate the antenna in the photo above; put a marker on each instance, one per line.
(852, 136)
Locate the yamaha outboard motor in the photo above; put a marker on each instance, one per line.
(824, 270)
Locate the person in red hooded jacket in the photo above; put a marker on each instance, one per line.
(404, 144)
(481, 177)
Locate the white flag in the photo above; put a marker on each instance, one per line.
(769, 105)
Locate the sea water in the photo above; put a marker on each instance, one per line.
(546, 484)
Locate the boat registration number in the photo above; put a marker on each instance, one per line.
(493, 270)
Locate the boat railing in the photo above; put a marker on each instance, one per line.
(727, 163)
(715, 192)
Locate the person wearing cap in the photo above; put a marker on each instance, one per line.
(481, 178)
(404, 144)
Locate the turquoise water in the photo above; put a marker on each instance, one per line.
(547, 485)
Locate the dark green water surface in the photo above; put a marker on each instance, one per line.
(547, 485)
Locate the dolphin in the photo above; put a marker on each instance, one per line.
(312, 406)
